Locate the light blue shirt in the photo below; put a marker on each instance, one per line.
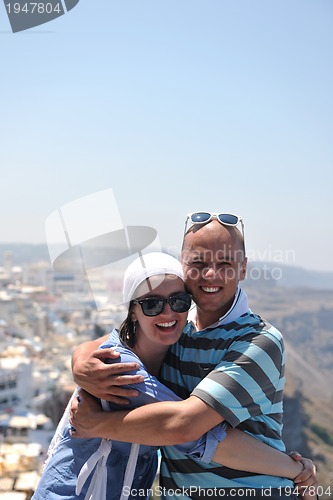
(60, 475)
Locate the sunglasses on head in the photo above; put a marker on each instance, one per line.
(204, 217)
(153, 306)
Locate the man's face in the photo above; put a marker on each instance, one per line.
(213, 263)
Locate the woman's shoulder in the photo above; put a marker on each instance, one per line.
(112, 341)
(126, 355)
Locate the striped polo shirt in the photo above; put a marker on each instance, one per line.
(236, 367)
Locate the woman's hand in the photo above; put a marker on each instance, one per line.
(85, 415)
(306, 482)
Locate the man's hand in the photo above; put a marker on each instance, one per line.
(306, 481)
(93, 373)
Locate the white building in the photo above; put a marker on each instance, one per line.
(15, 381)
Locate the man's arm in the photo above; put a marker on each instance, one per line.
(104, 381)
(172, 423)
(169, 422)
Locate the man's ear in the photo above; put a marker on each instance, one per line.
(243, 270)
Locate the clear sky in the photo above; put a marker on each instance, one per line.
(177, 105)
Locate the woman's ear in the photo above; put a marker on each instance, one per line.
(133, 317)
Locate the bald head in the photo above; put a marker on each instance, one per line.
(215, 234)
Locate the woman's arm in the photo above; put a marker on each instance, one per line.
(241, 451)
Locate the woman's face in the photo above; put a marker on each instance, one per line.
(166, 328)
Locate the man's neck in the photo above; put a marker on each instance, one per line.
(208, 318)
(232, 310)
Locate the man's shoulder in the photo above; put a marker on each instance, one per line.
(248, 325)
(266, 328)
(247, 322)
(252, 325)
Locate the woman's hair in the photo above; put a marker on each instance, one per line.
(127, 329)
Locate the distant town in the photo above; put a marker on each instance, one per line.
(43, 315)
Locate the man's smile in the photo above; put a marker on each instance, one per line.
(211, 289)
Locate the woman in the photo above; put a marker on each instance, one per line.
(95, 468)
(157, 312)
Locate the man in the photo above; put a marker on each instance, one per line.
(228, 365)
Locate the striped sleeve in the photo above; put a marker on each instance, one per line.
(249, 380)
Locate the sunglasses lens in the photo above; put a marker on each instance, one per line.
(200, 217)
(152, 307)
(180, 303)
(228, 219)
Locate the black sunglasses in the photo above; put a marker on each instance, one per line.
(153, 306)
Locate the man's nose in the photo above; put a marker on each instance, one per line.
(210, 271)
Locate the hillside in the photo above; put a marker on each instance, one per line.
(305, 317)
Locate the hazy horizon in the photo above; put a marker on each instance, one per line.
(251, 257)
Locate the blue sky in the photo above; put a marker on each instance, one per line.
(177, 105)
